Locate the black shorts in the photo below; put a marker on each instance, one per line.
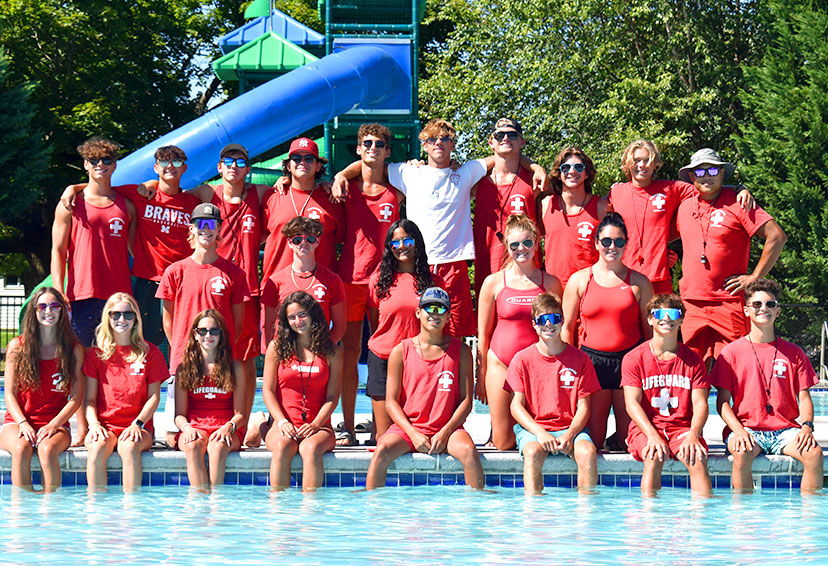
(85, 317)
(607, 366)
(151, 308)
(377, 376)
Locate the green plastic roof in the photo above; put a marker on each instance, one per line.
(267, 54)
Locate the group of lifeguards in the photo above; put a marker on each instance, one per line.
(563, 334)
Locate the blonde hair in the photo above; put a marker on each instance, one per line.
(517, 222)
(627, 158)
(436, 128)
(105, 338)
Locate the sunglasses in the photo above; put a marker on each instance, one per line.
(93, 161)
(297, 159)
(379, 144)
(579, 167)
(435, 309)
(215, 331)
(619, 242)
(239, 162)
(499, 136)
(549, 318)
(701, 172)
(666, 314)
(126, 315)
(206, 223)
(43, 307)
(310, 238)
(525, 243)
(174, 162)
(407, 242)
(444, 139)
(770, 304)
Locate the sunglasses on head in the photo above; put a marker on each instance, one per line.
(408, 241)
(307, 158)
(549, 318)
(215, 331)
(239, 162)
(619, 242)
(525, 243)
(43, 307)
(666, 314)
(434, 308)
(206, 223)
(499, 136)
(126, 315)
(701, 171)
(770, 304)
(174, 162)
(379, 144)
(93, 161)
(444, 139)
(579, 167)
(310, 238)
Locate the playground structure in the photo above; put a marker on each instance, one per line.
(367, 73)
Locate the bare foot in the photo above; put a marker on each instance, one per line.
(78, 440)
(253, 438)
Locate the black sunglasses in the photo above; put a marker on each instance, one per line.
(93, 161)
(127, 315)
(619, 242)
(297, 159)
(379, 144)
(510, 134)
(211, 331)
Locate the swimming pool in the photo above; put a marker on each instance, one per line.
(439, 525)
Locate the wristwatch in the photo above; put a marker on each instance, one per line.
(139, 422)
(810, 424)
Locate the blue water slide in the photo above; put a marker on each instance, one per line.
(362, 76)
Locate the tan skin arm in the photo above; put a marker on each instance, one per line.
(656, 448)
(133, 225)
(26, 430)
(270, 381)
(339, 188)
(373, 318)
(72, 405)
(775, 239)
(393, 389)
(167, 319)
(804, 439)
(61, 228)
(96, 429)
(486, 319)
(742, 439)
(643, 291)
(572, 304)
(339, 322)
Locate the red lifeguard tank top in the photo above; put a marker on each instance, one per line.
(430, 388)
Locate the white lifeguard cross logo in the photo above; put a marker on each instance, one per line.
(585, 230)
(386, 210)
(445, 380)
(780, 368)
(518, 204)
(115, 226)
(248, 223)
(567, 377)
(319, 291)
(717, 218)
(137, 367)
(218, 284)
(659, 201)
(210, 395)
(664, 402)
(314, 213)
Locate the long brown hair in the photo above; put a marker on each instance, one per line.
(287, 339)
(26, 359)
(190, 374)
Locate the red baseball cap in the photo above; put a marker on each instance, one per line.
(305, 145)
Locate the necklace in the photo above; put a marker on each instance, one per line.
(702, 226)
(766, 380)
(639, 228)
(500, 225)
(304, 206)
(311, 276)
(304, 385)
(233, 221)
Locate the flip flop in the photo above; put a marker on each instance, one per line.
(364, 427)
(339, 427)
(345, 438)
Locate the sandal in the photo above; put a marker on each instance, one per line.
(364, 427)
(346, 438)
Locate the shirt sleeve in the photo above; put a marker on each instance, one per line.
(722, 375)
(473, 171)
(156, 369)
(270, 293)
(806, 377)
(700, 380)
(630, 372)
(395, 176)
(514, 376)
(241, 293)
(90, 363)
(168, 285)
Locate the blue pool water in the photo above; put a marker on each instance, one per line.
(412, 526)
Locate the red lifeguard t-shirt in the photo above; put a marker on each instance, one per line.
(98, 252)
(727, 228)
(209, 407)
(162, 229)
(367, 219)
(194, 287)
(430, 391)
(569, 239)
(324, 285)
(648, 213)
(241, 229)
(278, 209)
(667, 384)
(493, 205)
(43, 404)
(123, 387)
(303, 386)
(746, 369)
(397, 320)
(552, 384)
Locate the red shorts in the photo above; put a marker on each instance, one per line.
(208, 430)
(396, 430)
(709, 326)
(462, 321)
(674, 435)
(247, 345)
(660, 287)
(356, 295)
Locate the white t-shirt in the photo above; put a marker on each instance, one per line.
(438, 201)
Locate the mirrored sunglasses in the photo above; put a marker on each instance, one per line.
(666, 314)
(525, 243)
(434, 308)
(407, 242)
(43, 307)
(174, 162)
(239, 162)
(701, 172)
(579, 167)
(549, 318)
(206, 223)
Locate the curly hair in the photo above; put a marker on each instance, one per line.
(302, 226)
(105, 338)
(376, 130)
(516, 222)
(627, 157)
(665, 301)
(26, 359)
(97, 146)
(389, 264)
(169, 153)
(286, 338)
(190, 374)
(763, 285)
(589, 169)
(436, 128)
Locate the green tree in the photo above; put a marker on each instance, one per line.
(785, 146)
